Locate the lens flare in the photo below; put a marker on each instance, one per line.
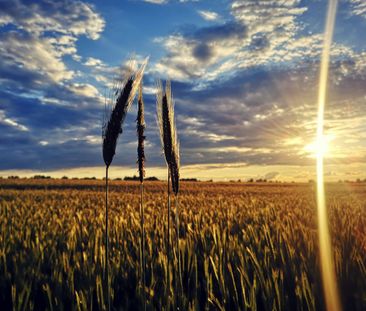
(322, 146)
(327, 265)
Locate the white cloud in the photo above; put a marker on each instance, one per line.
(93, 139)
(93, 62)
(194, 56)
(358, 7)
(84, 89)
(156, 1)
(76, 57)
(261, 32)
(12, 122)
(166, 1)
(63, 44)
(37, 55)
(42, 33)
(5, 20)
(64, 17)
(209, 15)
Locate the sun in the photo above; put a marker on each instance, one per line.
(320, 147)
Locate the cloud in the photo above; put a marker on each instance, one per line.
(358, 7)
(40, 34)
(261, 32)
(106, 76)
(93, 62)
(156, 1)
(39, 132)
(267, 116)
(166, 1)
(11, 122)
(43, 32)
(191, 55)
(271, 175)
(37, 55)
(63, 17)
(45, 104)
(257, 117)
(208, 15)
(84, 89)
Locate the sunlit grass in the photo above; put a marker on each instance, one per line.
(243, 246)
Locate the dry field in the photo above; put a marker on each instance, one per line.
(242, 246)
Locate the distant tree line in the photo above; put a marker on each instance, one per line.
(153, 178)
(136, 178)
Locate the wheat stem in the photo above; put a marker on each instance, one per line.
(143, 261)
(179, 278)
(168, 242)
(106, 240)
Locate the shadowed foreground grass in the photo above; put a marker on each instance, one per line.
(242, 246)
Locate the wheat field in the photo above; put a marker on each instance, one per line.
(243, 246)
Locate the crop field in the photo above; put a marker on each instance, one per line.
(243, 246)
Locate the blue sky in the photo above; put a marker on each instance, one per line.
(244, 78)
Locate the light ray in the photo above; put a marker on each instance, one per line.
(326, 255)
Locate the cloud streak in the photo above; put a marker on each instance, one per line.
(209, 15)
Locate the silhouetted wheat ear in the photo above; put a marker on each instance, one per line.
(140, 135)
(168, 133)
(125, 95)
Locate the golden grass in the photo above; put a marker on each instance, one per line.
(242, 246)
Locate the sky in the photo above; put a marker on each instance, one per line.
(244, 79)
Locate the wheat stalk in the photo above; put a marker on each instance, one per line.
(140, 127)
(169, 140)
(124, 94)
(168, 133)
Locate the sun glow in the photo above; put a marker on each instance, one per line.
(321, 146)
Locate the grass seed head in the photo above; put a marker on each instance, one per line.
(140, 135)
(168, 133)
(125, 94)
